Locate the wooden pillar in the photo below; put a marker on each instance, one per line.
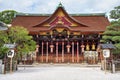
(36, 53)
(46, 51)
(68, 51)
(62, 51)
(82, 50)
(51, 51)
(56, 51)
(72, 51)
(42, 51)
(77, 52)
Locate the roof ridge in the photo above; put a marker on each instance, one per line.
(75, 14)
(88, 14)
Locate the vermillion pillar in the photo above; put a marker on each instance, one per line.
(68, 51)
(77, 52)
(36, 53)
(72, 51)
(42, 51)
(62, 51)
(46, 51)
(51, 50)
(56, 51)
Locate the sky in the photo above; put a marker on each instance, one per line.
(49, 6)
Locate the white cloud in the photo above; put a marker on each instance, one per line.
(48, 6)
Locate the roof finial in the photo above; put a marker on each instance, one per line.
(60, 5)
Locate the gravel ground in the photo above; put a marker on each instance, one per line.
(60, 73)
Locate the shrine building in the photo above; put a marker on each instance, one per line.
(62, 37)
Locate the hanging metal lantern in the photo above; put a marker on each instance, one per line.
(37, 48)
(68, 48)
(93, 46)
(82, 48)
(87, 47)
(51, 48)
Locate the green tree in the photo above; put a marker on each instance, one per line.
(3, 40)
(7, 16)
(20, 36)
(112, 33)
(3, 51)
(22, 39)
(115, 14)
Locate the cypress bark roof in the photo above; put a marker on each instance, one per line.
(95, 23)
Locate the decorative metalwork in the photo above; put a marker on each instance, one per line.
(87, 47)
(93, 46)
(51, 48)
(68, 48)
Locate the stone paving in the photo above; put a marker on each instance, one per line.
(60, 72)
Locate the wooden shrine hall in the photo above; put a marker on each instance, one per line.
(62, 37)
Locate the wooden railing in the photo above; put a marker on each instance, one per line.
(52, 58)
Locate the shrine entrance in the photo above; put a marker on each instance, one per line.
(64, 38)
(62, 46)
(60, 52)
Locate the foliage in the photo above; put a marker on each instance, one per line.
(3, 40)
(3, 37)
(112, 33)
(7, 16)
(3, 50)
(26, 47)
(18, 35)
(115, 14)
(115, 51)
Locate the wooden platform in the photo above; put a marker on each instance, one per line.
(54, 59)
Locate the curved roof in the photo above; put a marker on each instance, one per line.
(95, 22)
(107, 46)
(55, 14)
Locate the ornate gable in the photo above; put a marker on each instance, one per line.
(60, 16)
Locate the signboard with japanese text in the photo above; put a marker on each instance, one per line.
(106, 53)
(10, 53)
